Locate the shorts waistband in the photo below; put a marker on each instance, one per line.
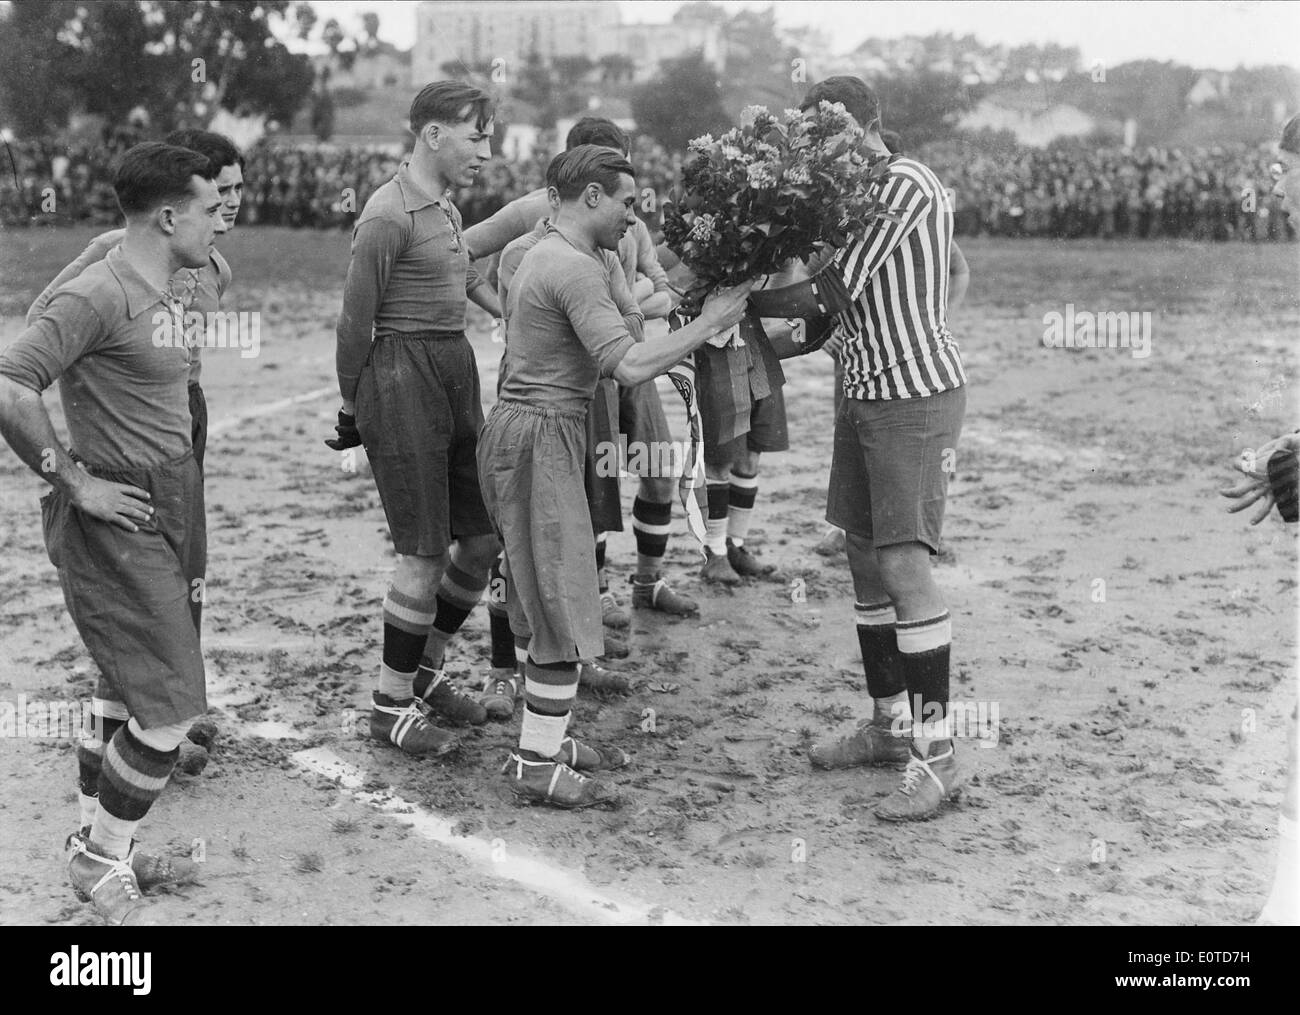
(433, 335)
(135, 475)
(548, 412)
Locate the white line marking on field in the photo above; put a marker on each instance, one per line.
(568, 888)
(257, 411)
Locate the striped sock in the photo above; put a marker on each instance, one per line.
(650, 522)
(602, 581)
(105, 719)
(924, 648)
(407, 620)
(549, 691)
(715, 526)
(743, 490)
(132, 776)
(458, 593)
(880, 658)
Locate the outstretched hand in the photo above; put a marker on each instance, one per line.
(1257, 488)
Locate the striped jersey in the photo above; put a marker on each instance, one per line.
(896, 338)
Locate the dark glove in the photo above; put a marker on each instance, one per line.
(348, 435)
(1284, 478)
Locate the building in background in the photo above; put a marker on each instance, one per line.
(502, 34)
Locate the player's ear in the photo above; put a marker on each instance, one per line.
(431, 136)
(166, 219)
(592, 194)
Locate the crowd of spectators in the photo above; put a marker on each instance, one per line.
(1072, 190)
(1064, 191)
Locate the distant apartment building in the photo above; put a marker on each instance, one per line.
(481, 34)
(647, 45)
(477, 32)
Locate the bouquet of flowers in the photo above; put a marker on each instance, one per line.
(770, 191)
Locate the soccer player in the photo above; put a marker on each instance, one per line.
(410, 391)
(566, 331)
(198, 290)
(602, 490)
(640, 413)
(895, 434)
(832, 543)
(124, 523)
(1271, 479)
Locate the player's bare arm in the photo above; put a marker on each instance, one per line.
(25, 425)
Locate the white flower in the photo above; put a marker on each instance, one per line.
(798, 174)
(761, 176)
(701, 143)
(702, 230)
(730, 151)
(750, 113)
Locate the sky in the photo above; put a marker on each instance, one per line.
(1219, 35)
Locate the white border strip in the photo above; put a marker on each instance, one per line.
(571, 890)
(269, 408)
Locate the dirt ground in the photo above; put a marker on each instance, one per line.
(1135, 643)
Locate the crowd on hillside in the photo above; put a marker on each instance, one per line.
(1065, 191)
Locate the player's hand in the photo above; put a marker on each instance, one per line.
(117, 503)
(1247, 493)
(724, 307)
(1254, 461)
(834, 344)
(348, 434)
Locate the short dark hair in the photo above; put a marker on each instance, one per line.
(445, 102)
(1291, 136)
(597, 130)
(574, 169)
(857, 96)
(219, 149)
(152, 174)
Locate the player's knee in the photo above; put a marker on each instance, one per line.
(480, 551)
(904, 569)
(745, 461)
(658, 489)
(160, 738)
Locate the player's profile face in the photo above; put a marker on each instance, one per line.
(463, 149)
(617, 212)
(197, 222)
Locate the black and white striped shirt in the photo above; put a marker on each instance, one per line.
(896, 338)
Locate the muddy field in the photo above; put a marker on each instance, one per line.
(1132, 645)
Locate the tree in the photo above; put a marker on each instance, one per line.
(370, 24)
(332, 34)
(616, 68)
(682, 101)
(925, 105)
(534, 84)
(758, 65)
(305, 17)
(322, 114)
(36, 89)
(178, 61)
